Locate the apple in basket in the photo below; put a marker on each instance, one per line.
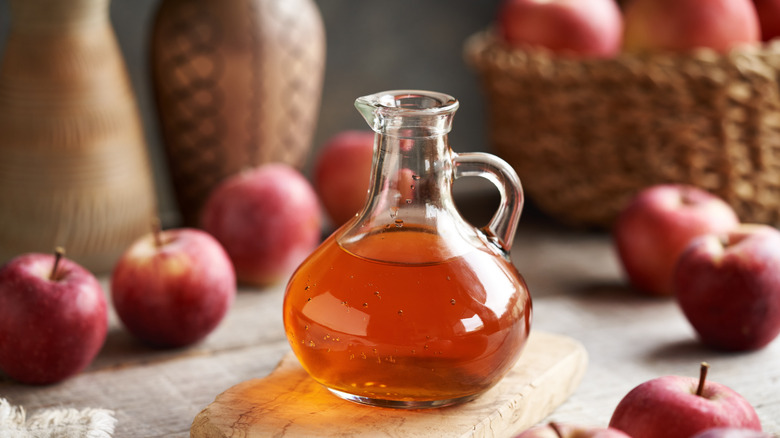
(560, 430)
(268, 219)
(583, 28)
(684, 25)
(172, 288)
(728, 286)
(657, 225)
(342, 172)
(680, 407)
(53, 318)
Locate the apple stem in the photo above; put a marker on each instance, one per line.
(554, 426)
(59, 252)
(156, 231)
(702, 377)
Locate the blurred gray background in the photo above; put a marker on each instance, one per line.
(372, 46)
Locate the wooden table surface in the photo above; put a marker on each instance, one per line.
(578, 290)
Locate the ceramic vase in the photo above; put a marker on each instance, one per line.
(237, 84)
(74, 165)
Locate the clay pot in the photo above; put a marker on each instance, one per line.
(237, 84)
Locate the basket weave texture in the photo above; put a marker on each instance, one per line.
(586, 134)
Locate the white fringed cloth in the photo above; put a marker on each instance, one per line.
(55, 422)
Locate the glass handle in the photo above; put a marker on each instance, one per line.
(502, 226)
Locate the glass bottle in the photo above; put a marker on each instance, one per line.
(407, 305)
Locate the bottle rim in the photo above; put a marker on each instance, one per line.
(413, 102)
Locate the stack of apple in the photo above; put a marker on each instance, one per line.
(682, 241)
(600, 29)
(670, 407)
(170, 288)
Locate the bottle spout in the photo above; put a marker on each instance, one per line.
(399, 109)
(368, 107)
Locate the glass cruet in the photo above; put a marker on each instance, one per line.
(407, 305)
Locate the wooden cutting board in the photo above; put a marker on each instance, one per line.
(290, 403)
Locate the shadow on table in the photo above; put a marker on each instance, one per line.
(690, 349)
(618, 290)
(121, 349)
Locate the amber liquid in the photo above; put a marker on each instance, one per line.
(417, 331)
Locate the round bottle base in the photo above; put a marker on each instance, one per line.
(402, 404)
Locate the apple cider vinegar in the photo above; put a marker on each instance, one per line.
(409, 332)
(408, 305)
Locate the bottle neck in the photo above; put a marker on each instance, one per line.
(412, 172)
(410, 196)
(410, 184)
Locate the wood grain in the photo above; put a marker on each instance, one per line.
(289, 403)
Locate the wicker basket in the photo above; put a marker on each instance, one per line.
(586, 135)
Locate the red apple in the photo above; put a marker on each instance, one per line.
(53, 318)
(684, 25)
(657, 225)
(768, 18)
(728, 286)
(586, 28)
(342, 172)
(732, 432)
(680, 407)
(268, 220)
(558, 430)
(172, 288)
